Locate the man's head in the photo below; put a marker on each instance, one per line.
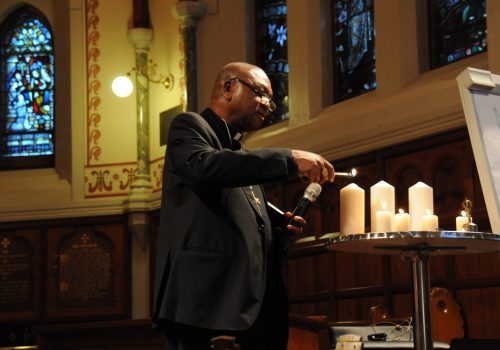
(242, 96)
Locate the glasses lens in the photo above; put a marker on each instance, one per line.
(267, 100)
(272, 106)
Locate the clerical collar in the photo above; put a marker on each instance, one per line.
(233, 133)
(223, 127)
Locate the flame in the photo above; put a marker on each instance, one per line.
(353, 172)
(401, 211)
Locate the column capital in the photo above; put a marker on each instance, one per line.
(189, 13)
(141, 38)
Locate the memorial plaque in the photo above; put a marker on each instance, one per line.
(19, 261)
(88, 271)
(84, 264)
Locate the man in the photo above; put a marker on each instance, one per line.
(220, 247)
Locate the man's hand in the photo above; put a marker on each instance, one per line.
(313, 167)
(294, 229)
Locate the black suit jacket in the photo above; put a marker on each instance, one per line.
(216, 244)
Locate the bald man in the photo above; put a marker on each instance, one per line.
(221, 247)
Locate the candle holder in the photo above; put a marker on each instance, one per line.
(469, 226)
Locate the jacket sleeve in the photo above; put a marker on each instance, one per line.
(200, 160)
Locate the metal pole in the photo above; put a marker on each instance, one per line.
(421, 300)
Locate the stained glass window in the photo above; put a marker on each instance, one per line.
(272, 52)
(457, 30)
(354, 48)
(27, 88)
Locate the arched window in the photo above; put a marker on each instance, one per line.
(26, 91)
(354, 48)
(457, 30)
(272, 52)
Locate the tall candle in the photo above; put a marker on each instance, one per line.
(383, 220)
(379, 193)
(420, 198)
(429, 221)
(460, 221)
(402, 221)
(352, 210)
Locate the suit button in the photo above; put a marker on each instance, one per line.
(261, 227)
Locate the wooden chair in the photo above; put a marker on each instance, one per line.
(446, 316)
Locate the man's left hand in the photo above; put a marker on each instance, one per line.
(298, 219)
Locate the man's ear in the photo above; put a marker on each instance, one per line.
(228, 93)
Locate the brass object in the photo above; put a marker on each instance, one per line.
(470, 226)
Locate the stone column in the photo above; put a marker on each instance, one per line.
(139, 200)
(141, 39)
(189, 13)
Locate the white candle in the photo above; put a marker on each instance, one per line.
(379, 193)
(383, 219)
(420, 198)
(352, 210)
(402, 221)
(429, 221)
(461, 221)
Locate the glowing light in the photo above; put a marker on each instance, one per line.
(122, 86)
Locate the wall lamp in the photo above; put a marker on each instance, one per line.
(123, 86)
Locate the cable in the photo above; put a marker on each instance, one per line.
(401, 331)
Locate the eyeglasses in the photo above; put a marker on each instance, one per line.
(265, 98)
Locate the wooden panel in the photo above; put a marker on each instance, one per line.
(308, 334)
(357, 309)
(481, 309)
(356, 270)
(400, 270)
(20, 263)
(477, 265)
(114, 335)
(402, 305)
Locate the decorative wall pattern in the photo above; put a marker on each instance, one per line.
(93, 82)
(156, 171)
(109, 180)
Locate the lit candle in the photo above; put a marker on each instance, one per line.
(429, 221)
(383, 219)
(352, 210)
(420, 198)
(402, 221)
(461, 221)
(380, 193)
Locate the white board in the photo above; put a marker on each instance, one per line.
(480, 94)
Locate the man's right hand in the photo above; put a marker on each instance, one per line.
(313, 167)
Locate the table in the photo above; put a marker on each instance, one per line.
(416, 247)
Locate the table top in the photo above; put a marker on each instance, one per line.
(432, 242)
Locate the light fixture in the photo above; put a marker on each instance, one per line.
(123, 86)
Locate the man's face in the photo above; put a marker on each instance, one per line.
(252, 94)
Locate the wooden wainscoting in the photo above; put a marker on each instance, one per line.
(111, 335)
